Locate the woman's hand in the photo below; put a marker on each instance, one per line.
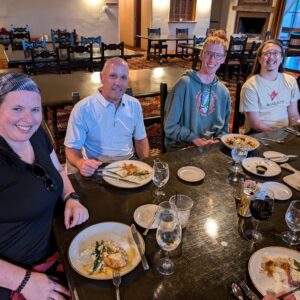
(201, 142)
(41, 287)
(75, 213)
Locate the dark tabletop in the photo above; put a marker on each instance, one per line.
(212, 254)
(292, 63)
(57, 88)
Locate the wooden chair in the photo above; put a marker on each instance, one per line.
(160, 119)
(62, 39)
(195, 56)
(235, 56)
(17, 35)
(45, 61)
(293, 48)
(238, 118)
(155, 32)
(33, 45)
(80, 57)
(111, 47)
(91, 40)
(249, 60)
(180, 44)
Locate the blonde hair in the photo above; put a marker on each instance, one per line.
(221, 34)
(217, 40)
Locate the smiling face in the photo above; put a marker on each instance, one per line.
(271, 58)
(212, 56)
(20, 116)
(114, 78)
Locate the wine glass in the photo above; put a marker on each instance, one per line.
(160, 177)
(168, 235)
(292, 218)
(261, 208)
(238, 155)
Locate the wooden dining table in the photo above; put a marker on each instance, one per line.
(212, 253)
(57, 89)
(21, 57)
(160, 39)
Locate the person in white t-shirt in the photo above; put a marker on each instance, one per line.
(269, 97)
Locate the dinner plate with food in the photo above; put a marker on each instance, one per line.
(261, 166)
(275, 269)
(235, 140)
(127, 173)
(99, 249)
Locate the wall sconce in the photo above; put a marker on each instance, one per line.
(105, 9)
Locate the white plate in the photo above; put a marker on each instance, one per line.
(125, 184)
(191, 174)
(259, 278)
(279, 190)
(228, 140)
(250, 164)
(268, 154)
(118, 232)
(144, 214)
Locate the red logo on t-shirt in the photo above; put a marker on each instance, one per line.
(273, 95)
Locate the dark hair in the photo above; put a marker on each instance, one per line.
(257, 67)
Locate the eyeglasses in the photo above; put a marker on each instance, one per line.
(272, 53)
(210, 54)
(40, 172)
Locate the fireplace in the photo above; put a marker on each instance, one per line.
(253, 20)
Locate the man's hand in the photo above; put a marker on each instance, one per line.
(75, 213)
(87, 167)
(200, 142)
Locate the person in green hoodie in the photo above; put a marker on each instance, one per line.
(198, 107)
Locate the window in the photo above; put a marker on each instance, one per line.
(182, 10)
(291, 17)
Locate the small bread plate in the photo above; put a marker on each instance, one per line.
(271, 168)
(144, 214)
(191, 174)
(234, 140)
(265, 271)
(117, 232)
(282, 159)
(279, 190)
(121, 173)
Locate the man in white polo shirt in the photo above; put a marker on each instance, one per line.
(102, 127)
(269, 97)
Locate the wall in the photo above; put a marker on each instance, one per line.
(146, 19)
(85, 16)
(160, 18)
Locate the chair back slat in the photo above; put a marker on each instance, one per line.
(91, 40)
(238, 118)
(153, 32)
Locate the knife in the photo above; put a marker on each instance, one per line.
(138, 244)
(283, 156)
(118, 178)
(293, 131)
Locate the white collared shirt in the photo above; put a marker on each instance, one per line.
(102, 130)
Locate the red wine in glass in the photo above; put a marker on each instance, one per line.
(261, 209)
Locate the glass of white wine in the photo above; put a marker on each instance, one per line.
(160, 177)
(292, 218)
(168, 235)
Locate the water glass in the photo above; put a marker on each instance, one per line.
(168, 235)
(160, 176)
(292, 218)
(183, 205)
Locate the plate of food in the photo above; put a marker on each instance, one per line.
(275, 156)
(275, 269)
(234, 140)
(261, 166)
(127, 173)
(99, 249)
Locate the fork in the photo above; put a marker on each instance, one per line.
(117, 281)
(249, 293)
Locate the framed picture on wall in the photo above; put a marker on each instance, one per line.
(264, 2)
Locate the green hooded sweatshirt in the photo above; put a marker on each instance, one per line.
(195, 109)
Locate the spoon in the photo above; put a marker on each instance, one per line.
(237, 292)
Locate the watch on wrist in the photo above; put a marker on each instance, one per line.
(73, 196)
